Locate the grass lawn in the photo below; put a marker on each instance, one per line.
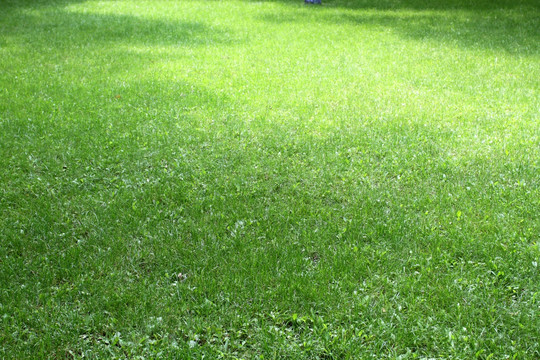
(269, 180)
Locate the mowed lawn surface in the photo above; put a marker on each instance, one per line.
(269, 180)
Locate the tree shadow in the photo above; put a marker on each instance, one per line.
(10, 5)
(509, 26)
(54, 25)
(419, 4)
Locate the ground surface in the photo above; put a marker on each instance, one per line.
(245, 179)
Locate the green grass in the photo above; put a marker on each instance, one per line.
(356, 180)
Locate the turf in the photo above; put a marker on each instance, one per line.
(269, 180)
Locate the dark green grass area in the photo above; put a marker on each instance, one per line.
(269, 180)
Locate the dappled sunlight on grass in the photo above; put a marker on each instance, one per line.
(264, 178)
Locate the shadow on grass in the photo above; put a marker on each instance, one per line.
(470, 5)
(9, 5)
(54, 25)
(500, 25)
